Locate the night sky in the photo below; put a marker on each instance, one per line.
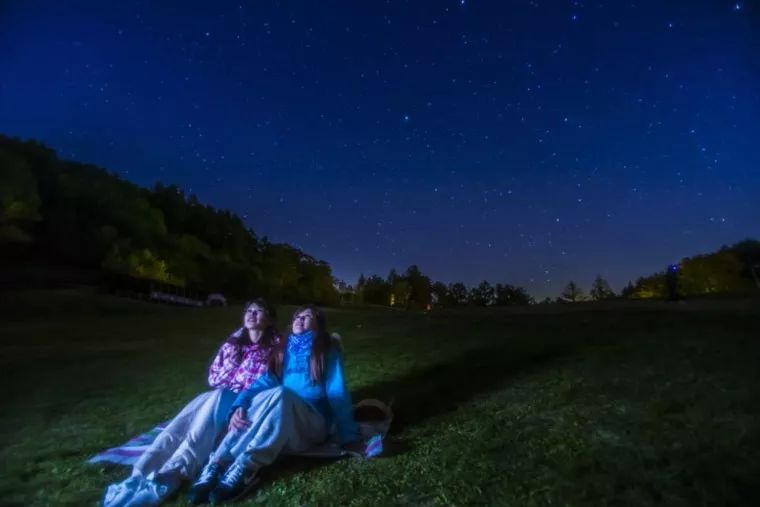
(526, 142)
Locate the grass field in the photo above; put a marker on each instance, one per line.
(578, 405)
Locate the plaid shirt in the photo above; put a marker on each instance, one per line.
(236, 367)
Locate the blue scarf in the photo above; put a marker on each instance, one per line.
(300, 343)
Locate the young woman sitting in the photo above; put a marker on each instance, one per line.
(290, 409)
(184, 445)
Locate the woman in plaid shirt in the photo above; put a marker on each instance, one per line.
(181, 449)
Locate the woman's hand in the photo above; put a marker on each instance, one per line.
(238, 420)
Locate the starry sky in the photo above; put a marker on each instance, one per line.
(524, 142)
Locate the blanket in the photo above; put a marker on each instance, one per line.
(128, 453)
(372, 416)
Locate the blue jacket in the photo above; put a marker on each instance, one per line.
(330, 398)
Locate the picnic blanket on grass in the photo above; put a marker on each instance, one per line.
(128, 453)
(372, 416)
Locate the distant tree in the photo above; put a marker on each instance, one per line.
(439, 295)
(280, 262)
(401, 291)
(651, 287)
(482, 295)
(189, 258)
(600, 289)
(83, 215)
(376, 291)
(628, 290)
(748, 253)
(346, 292)
(19, 201)
(458, 294)
(509, 295)
(572, 292)
(419, 287)
(719, 272)
(341, 286)
(316, 282)
(359, 291)
(139, 263)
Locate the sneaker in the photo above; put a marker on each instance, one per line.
(117, 495)
(156, 490)
(236, 483)
(206, 482)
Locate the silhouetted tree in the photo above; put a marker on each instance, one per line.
(482, 295)
(509, 295)
(572, 292)
(458, 294)
(719, 272)
(651, 287)
(83, 215)
(19, 201)
(376, 291)
(600, 289)
(401, 291)
(748, 253)
(419, 287)
(439, 295)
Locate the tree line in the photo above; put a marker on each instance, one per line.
(65, 212)
(413, 289)
(733, 269)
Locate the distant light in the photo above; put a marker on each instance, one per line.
(406, 117)
(574, 17)
(737, 7)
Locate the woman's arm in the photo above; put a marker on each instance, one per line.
(222, 369)
(264, 382)
(339, 398)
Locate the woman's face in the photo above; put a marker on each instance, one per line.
(255, 318)
(304, 321)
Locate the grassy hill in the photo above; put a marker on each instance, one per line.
(625, 404)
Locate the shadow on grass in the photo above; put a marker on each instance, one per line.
(443, 387)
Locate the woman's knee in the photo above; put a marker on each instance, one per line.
(280, 395)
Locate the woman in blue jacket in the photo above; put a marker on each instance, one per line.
(289, 409)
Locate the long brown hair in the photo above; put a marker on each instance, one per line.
(269, 334)
(319, 347)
